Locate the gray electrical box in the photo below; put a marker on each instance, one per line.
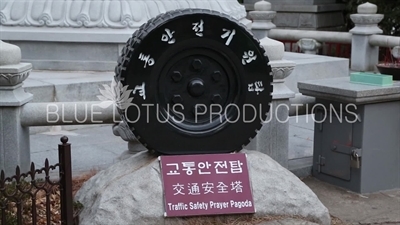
(356, 134)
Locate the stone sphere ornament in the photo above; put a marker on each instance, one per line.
(194, 81)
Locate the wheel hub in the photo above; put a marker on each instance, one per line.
(196, 79)
(196, 87)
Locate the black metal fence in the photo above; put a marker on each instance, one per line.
(28, 198)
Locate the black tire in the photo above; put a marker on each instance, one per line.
(185, 67)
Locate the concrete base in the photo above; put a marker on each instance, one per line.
(272, 138)
(369, 128)
(376, 136)
(313, 67)
(301, 139)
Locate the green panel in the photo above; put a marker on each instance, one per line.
(371, 79)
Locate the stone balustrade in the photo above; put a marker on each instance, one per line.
(18, 113)
(320, 36)
(67, 113)
(384, 41)
(364, 37)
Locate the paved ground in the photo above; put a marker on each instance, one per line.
(95, 147)
(353, 208)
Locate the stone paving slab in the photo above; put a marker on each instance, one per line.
(93, 147)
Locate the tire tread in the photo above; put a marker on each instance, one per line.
(140, 34)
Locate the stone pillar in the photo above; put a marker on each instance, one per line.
(14, 138)
(273, 137)
(309, 46)
(364, 57)
(262, 17)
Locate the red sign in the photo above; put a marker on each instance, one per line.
(206, 184)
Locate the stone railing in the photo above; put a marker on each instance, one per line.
(320, 36)
(364, 37)
(18, 113)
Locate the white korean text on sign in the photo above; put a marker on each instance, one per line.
(206, 184)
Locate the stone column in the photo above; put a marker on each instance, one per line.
(14, 138)
(273, 137)
(262, 17)
(364, 57)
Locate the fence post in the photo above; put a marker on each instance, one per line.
(64, 157)
(364, 56)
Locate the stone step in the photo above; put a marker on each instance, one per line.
(65, 86)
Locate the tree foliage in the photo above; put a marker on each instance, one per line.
(390, 8)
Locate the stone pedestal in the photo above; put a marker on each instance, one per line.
(273, 138)
(14, 138)
(356, 134)
(305, 14)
